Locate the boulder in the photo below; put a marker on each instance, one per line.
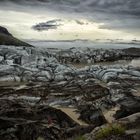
(94, 92)
(132, 123)
(92, 116)
(128, 106)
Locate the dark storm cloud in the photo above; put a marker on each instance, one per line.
(51, 24)
(126, 7)
(114, 13)
(79, 22)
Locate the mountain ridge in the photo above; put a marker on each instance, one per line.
(7, 38)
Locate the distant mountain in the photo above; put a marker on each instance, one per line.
(8, 39)
(132, 51)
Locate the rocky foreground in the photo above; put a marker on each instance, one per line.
(38, 91)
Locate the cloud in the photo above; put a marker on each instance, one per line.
(122, 24)
(130, 7)
(125, 7)
(51, 24)
(115, 14)
(80, 22)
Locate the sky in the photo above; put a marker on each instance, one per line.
(71, 19)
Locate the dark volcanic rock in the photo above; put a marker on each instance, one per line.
(92, 116)
(23, 122)
(129, 105)
(28, 130)
(132, 121)
(12, 109)
(79, 130)
(94, 92)
(132, 124)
